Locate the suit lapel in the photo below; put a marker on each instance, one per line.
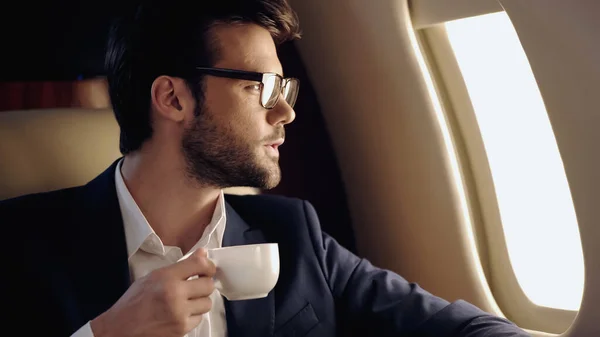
(101, 270)
(250, 317)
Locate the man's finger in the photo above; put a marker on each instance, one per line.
(199, 287)
(195, 264)
(199, 306)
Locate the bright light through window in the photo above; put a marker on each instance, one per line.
(534, 199)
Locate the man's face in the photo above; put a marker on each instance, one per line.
(233, 141)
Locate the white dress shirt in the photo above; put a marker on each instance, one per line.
(147, 253)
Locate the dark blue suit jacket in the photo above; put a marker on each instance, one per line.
(67, 263)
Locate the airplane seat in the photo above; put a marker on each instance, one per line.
(47, 149)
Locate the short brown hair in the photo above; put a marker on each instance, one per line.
(137, 50)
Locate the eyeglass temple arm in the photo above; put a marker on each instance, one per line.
(231, 73)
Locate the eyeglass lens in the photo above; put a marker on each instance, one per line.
(272, 88)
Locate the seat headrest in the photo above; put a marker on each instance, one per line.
(48, 149)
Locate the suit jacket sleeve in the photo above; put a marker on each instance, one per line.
(378, 302)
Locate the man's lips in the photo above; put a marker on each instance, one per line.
(276, 144)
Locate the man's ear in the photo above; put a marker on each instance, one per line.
(171, 98)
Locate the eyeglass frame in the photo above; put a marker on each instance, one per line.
(250, 76)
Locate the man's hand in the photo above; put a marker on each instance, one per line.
(163, 303)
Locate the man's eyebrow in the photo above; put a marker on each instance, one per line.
(263, 70)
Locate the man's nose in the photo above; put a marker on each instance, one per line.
(282, 113)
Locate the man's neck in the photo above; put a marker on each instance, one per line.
(177, 209)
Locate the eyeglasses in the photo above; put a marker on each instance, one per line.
(272, 85)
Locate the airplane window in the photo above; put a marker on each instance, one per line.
(535, 203)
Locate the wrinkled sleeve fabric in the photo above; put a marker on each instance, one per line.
(378, 302)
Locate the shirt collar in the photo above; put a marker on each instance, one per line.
(140, 235)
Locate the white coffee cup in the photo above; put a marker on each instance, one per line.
(246, 272)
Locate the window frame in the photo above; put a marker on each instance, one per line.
(480, 191)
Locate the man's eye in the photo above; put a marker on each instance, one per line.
(255, 87)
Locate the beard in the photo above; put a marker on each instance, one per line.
(217, 156)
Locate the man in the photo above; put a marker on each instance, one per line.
(198, 92)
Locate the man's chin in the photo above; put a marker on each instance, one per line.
(270, 186)
(272, 178)
(272, 175)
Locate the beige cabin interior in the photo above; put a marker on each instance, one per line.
(409, 190)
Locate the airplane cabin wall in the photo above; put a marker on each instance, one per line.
(404, 189)
(387, 134)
